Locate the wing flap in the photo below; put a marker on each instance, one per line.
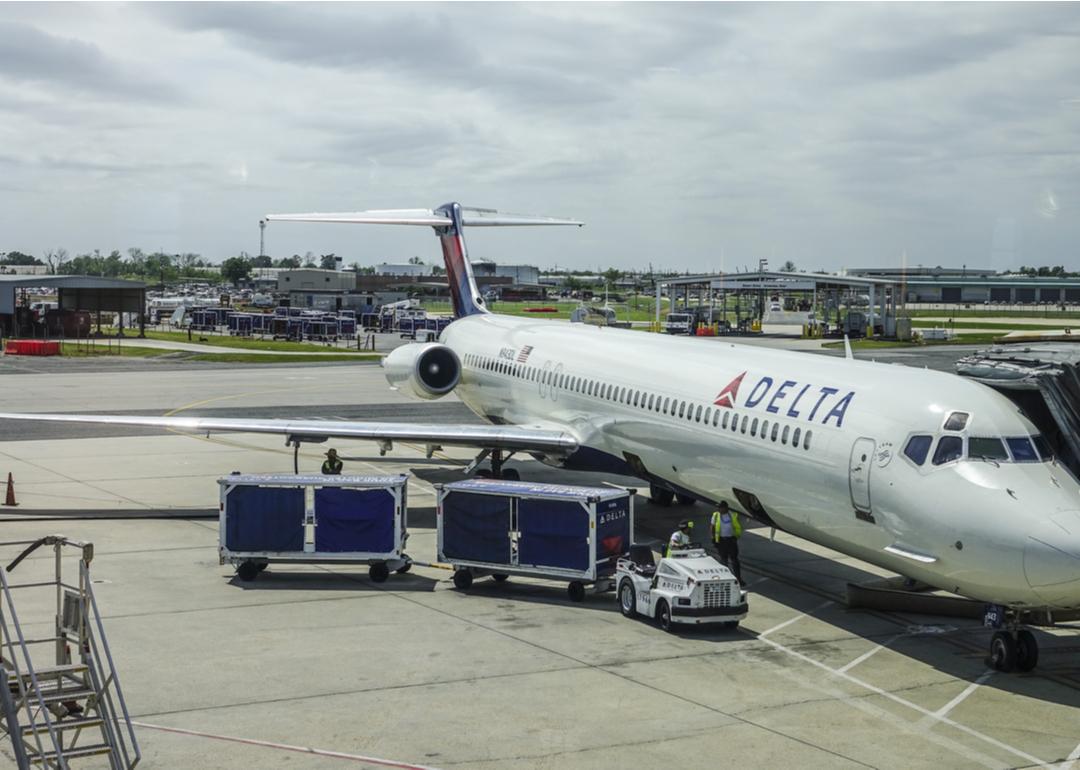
(516, 437)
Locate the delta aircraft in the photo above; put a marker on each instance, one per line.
(924, 473)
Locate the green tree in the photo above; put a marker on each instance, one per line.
(235, 269)
(262, 261)
(309, 259)
(611, 275)
(328, 261)
(788, 267)
(18, 258)
(288, 263)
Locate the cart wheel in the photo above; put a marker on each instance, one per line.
(379, 572)
(511, 474)
(248, 571)
(627, 598)
(404, 568)
(462, 579)
(499, 577)
(576, 591)
(663, 615)
(262, 565)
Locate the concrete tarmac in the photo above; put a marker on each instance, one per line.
(317, 667)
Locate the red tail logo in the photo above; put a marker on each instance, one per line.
(730, 393)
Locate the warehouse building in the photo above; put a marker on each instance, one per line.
(942, 285)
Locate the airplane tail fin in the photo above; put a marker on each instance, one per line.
(448, 221)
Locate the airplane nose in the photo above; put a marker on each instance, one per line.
(1052, 560)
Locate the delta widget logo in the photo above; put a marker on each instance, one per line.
(730, 393)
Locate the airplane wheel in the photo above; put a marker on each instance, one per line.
(499, 577)
(1003, 651)
(511, 474)
(378, 572)
(248, 571)
(627, 598)
(685, 499)
(663, 615)
(660, 496)
(576, 591)
(462, 579)
(1027, 650)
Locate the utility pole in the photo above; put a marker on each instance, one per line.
(262, 237)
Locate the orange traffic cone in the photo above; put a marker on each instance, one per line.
(10, 499)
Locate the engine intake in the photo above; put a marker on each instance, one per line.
(425, 370)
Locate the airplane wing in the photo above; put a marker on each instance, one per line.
(470, 217)
(512, 437)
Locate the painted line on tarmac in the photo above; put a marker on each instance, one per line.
(877, 648)
(930, 715)
(1070, 760)
(948, 707)
(288, 747)
(795, 619)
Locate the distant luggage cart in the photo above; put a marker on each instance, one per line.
(503, 528)
(313, 519)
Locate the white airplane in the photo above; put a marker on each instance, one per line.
(923, 473)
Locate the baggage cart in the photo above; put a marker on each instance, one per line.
(313, 519)
(552, 531)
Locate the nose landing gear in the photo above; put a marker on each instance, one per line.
(1013, 648)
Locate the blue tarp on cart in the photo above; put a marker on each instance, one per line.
(265, 519)
(360, 520)
(554, 533)
(476, 528)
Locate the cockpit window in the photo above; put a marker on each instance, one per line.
(1045, 452)
(956, 421)
(1022, 450)
(987, 449)
(949, 448)
(918, 447)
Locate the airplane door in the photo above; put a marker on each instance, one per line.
(862, 454)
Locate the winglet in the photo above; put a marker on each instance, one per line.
(847, 348)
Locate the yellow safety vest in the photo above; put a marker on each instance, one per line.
(736, 526)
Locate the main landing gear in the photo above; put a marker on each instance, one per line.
(497, 471)
(1013, 648)
(665, 497)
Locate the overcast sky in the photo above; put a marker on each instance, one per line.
(696, 137)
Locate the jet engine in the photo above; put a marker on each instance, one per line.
(426, 370)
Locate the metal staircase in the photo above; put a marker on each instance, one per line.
(60, 697)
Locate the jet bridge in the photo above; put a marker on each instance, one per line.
(1043, 379)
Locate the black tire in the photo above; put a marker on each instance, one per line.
(1003, 651)
(1027, 650)
(731, 625)
(685, 499)
(247, 571)
(379, 572)
(660, 495)
(627, 598)
(576, 591)
(262, 565)
(511, 474)
(462, 579)
(663, 615)
(404, 568)
(500, 577)
(483, 473)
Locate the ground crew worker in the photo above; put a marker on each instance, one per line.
(726, 531)
(680, 538)
(332, 465)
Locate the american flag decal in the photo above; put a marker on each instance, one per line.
(523, 356)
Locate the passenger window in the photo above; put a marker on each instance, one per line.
(806, 440)
(650, 406)
(667, 403)
(764, 428)
(795, 437)
(956, 421)
(783, 436)
(753, 427)
(682, 408)
(775, 430)
(636, 394)
(987, 448)
(716, 418)
(1041, 444)
(727, 416)
(918, 447)
(745, 420)
(697, 414)
(949, 448)
(1022, 450)
(707, 415)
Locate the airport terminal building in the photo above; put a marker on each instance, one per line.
(974, 285)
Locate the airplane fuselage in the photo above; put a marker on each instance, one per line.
(814, 445)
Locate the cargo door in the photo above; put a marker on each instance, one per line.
(862, 454)
(553, 533)
(351, 520)
(476, 528)
(264, 519)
